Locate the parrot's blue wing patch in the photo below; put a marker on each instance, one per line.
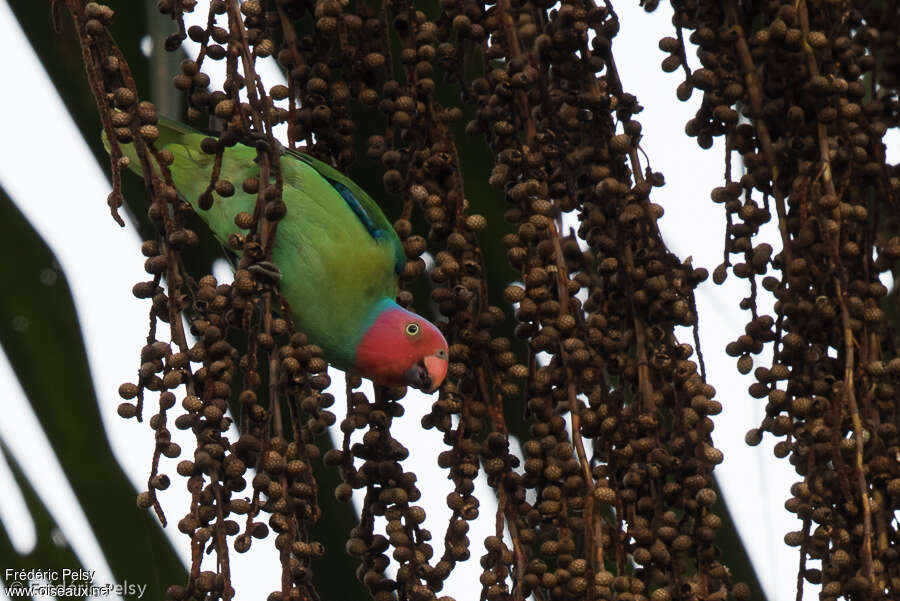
(357, 207)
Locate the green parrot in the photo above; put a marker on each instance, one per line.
(338, 255)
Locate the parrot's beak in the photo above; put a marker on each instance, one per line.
(428, 374)
(437, 370)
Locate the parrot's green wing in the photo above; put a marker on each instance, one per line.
(184, 140)
(362, 204)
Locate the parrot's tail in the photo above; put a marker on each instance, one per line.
(173, 136)
(192, 170)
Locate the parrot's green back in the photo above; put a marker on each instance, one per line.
(338, 254)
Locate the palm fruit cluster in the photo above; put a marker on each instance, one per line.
(802, 94)
(624, 490)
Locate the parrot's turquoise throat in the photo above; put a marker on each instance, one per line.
(338, 254)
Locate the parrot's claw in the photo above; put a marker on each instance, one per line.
(260, 141)
(266, 271)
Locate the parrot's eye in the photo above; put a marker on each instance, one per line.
(412, 329)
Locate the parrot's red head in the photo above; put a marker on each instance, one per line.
(402, 349)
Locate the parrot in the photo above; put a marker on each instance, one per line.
(337, 254)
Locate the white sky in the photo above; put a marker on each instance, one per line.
(81, 234)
